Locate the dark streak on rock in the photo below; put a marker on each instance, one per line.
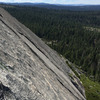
(38, 48)
(9, 27)
(5, 91)
(1, 16)
(67, 88)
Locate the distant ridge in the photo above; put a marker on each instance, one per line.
(73, 7)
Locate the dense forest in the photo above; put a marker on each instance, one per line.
(74, 34)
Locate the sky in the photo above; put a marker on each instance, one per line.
(57, 1)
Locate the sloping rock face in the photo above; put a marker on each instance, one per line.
(29, 69)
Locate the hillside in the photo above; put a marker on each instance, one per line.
(29, 69)
(73, 34)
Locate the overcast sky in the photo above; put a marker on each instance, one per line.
(57, 1)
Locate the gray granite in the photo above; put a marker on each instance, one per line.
(29, 69)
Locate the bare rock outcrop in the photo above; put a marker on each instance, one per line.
(29, 69)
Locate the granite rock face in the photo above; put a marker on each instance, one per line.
(29, 69)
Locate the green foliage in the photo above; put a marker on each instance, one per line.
(68, 32)
(92, 88)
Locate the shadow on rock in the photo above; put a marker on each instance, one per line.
(6, 93)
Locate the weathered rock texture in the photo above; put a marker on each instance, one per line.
(29, 69)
